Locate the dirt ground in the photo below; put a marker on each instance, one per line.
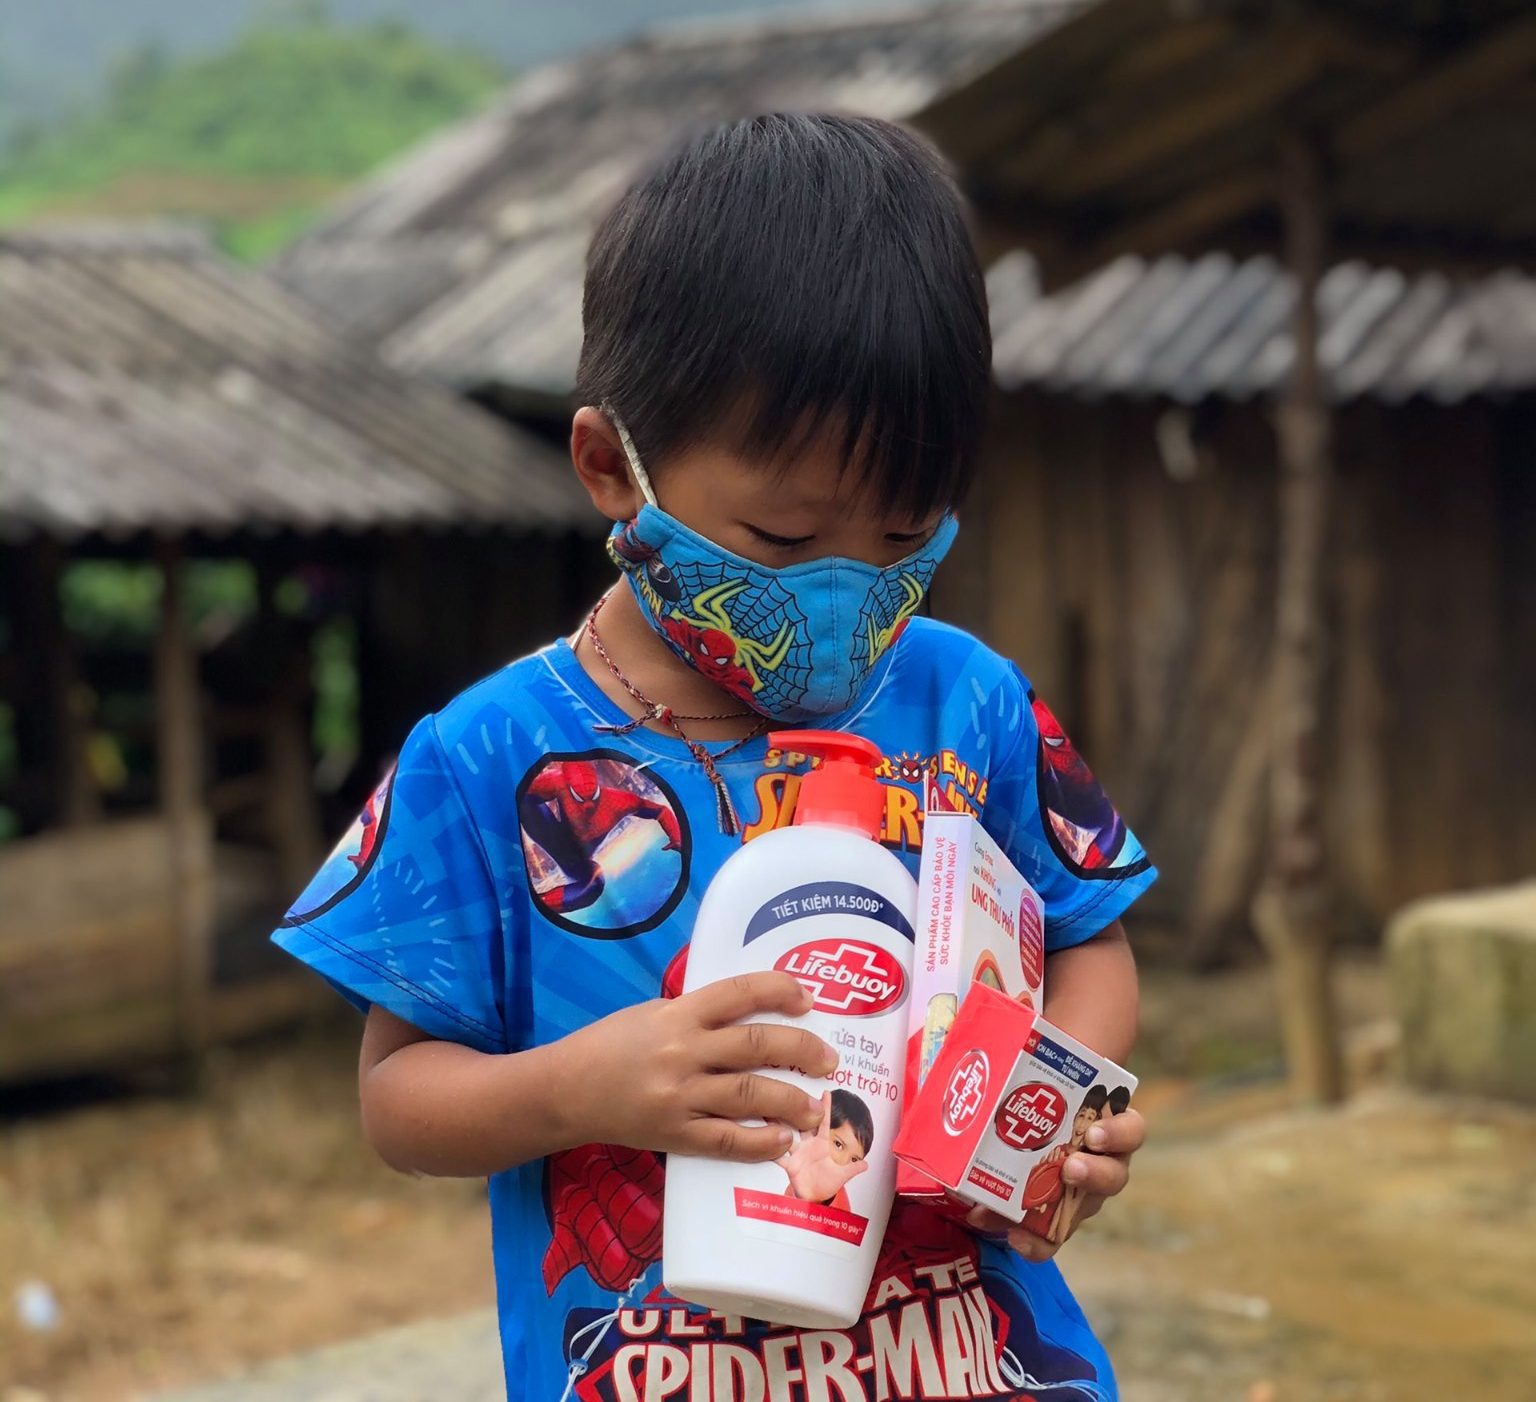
(187, 1239)
(1381, 1252)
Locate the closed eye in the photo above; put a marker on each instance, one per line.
(781, 542)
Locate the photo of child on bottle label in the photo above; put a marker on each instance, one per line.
(822, 1165)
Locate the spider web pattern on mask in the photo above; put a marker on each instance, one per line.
(756, 614)
(884, 605)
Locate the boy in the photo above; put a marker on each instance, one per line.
(822, 1165)
(784, 370)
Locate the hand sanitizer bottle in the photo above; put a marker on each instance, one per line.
(795, 1241)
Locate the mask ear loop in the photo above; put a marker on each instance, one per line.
(642, 478)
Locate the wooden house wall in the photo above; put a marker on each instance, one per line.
(1141, 607)
(440, 612)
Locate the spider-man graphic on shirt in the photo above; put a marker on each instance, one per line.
(351, 858)
(604, 1204)
(570, 807)
(530, 870)
(369, 838)
(1087, 833)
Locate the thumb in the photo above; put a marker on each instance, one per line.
(854, 1170)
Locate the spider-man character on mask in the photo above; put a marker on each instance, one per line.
(712, 652)
(627, 548)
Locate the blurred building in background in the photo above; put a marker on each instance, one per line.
(253, 524)
(354, 466)
(1122, 542)
(1129, 559)
(292, 508)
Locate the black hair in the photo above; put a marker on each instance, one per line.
(848, 1109)
(1119, 1099)
(788, 274)
(1097, 1095)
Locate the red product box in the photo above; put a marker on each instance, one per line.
(1009, 1098)
(978, 921)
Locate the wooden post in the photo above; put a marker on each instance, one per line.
(291, 810)
(1358, 802)
(1293, 911)
(54, 713)
(179, 759)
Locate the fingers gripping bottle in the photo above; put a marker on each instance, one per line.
(795, 1241)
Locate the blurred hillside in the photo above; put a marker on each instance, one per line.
(251, 139)
(58, 55)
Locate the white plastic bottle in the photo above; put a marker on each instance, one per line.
(795, 1241)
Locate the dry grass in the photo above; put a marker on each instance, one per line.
(187, 1238)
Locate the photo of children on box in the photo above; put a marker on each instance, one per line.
(1051, 1206)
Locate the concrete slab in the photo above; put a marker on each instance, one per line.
(1463, 971)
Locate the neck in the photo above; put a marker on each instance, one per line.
(656, 672)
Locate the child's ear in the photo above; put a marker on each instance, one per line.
(598, 457)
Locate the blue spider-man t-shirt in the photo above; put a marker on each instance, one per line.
(523, 873)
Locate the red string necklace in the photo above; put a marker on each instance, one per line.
(725, 810)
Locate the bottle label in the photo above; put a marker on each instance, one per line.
(851, 948)
(835, 1223)
(828, 898)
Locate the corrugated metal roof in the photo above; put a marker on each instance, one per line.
(466, 259)
(148, 383)
(1217, 326)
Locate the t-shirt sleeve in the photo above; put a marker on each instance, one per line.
(1059, 828)
(404, 913)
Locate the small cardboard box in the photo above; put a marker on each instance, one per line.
(979, 921)
(1008, 1100)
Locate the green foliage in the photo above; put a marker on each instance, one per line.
(257, 239)
(109, 603)
(106, 601)
(252, 139)
(334, 674)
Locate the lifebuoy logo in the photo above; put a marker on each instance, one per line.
(1030, 1116)
(966, 1092)
(847, 976)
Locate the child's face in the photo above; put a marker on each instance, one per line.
(846, 1148)
(1084, 1120)
(781, 514)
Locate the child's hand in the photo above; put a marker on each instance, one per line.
(813, 1173)
(676, 1075)
(1096, 1175)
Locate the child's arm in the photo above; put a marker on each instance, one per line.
(669, 1075)
(1091, 992)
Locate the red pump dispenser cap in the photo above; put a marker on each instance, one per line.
(843, 790)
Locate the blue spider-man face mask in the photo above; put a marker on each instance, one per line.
(791, 643)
